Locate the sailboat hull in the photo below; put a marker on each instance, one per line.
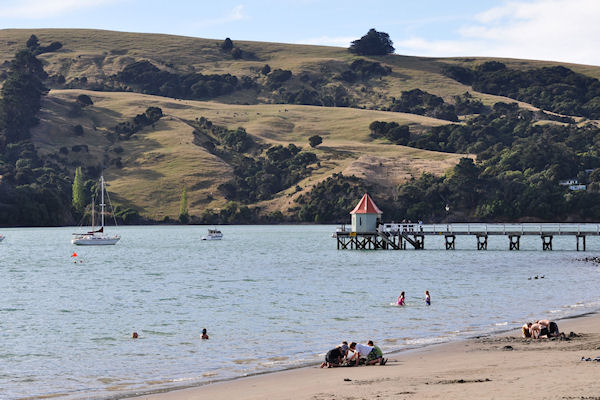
(95, 240)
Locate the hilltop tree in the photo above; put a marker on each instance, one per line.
(78, 191)
(372, 44)
(227, 45)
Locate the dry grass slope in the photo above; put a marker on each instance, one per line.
(158, 161)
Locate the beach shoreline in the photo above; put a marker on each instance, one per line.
(501, 365)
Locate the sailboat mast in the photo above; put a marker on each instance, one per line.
(93, 206)
(102, 197)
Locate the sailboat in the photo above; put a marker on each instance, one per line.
(96, 236)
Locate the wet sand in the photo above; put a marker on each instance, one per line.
(497, 367)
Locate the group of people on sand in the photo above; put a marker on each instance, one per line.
(541, 328)
(354, 354)
(427, 298)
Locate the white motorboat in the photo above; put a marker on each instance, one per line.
(96, 236)
(213, 234)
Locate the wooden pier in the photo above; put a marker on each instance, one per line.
(392, 236)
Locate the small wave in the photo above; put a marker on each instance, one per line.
(281, 358)
(424, 341)
(245, 361)
(107, 381)
(501, 324)
(104, 339)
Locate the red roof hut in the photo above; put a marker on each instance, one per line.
(365, 216)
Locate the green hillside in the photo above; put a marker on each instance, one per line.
(306, 91)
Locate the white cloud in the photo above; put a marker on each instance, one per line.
(236, 14)
(341, 41)
(38, 9)
(560, 30)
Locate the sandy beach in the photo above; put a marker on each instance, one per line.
(497, 367)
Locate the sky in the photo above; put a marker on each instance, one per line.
(557, 30)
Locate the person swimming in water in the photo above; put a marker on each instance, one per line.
(427, 298)
(204, 334)
(401, 299)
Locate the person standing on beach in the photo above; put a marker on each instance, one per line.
(427, 298)
(401, 299)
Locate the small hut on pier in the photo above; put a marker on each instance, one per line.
(366, 215)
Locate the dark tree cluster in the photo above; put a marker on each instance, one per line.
(330, 200)
(260, 178)
(500, 128)
(417, 101)
(233, 213)
(139, 122)
(277, 77)
(372, 44)
(227, 46)
(392, 131)
(466, 104)
(519, 165)
(557, 89)
(150, 79)
(236, 140)
(33, 44)
(21, 97)
(362, 69)
(33, 191)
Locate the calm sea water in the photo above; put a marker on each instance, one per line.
(271, 297)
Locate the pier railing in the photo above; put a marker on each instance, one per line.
(397, 235)
(555, 229)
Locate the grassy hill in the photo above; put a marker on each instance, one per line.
(148, 171)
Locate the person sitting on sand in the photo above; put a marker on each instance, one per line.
(345, 349)
(204, 335)
(378, 354)
(549, 328)
(544, 323)
(536, 331)
(362, 351)
(333, 358)
(401, 299)
(525, 330)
